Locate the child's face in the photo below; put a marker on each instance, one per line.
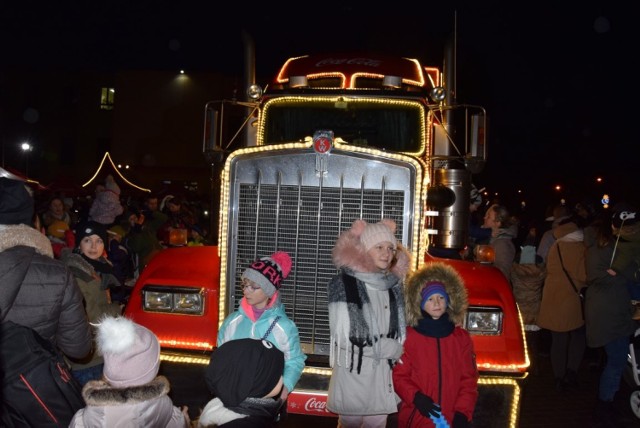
(436, 305)
(382, 254)
(254, 294)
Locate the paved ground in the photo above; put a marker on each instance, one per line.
(542, 405)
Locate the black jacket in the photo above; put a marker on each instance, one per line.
(38, 291)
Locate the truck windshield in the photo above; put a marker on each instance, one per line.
(392, 125)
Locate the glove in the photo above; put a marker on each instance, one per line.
(460, 421)
(390, 349)
(426, 406)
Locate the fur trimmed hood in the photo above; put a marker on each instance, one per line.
(101, 393)
(350, 252)
(21, 234)
(454, 285)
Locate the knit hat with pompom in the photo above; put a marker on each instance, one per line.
(376, 233)
(269, 272)
(131, 352)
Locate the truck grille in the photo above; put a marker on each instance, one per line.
(271, 213)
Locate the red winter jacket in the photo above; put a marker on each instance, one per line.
(447, 374)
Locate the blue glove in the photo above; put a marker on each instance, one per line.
(426, 406)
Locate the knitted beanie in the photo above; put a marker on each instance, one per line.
(131, 352)
(57, 229)
(625, 217)
(431, 288)
(269, 272)
(244, 368)
(16, 203)
(89, 228)
(375, 233)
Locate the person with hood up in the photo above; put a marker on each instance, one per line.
(130, 393)
(106, 206)
(367, 323)
(261, 315)
(437, 376)
(245, 376)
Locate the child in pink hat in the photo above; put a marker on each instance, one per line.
(261, 315)
(130, 392)
(367, 323)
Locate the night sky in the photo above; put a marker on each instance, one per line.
(558, 81)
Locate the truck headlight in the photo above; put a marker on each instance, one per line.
(485, 321)
(177, 300)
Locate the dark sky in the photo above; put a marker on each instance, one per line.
(558, 81)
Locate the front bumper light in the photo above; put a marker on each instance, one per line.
(484, 321)
(175, 300)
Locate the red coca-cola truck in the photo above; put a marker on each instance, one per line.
(332, 139)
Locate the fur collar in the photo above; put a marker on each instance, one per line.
(21, 234)
(101, 393)
(77, 264)
(454, 285)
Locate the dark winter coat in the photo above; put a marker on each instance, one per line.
(438, 359)
(608, 308)
(94, 288)
(39, 292)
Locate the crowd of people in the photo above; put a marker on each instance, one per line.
(375, 332)
(576, 278)
(131, 230)
(397, 344)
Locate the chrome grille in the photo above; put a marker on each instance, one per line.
(270, 213)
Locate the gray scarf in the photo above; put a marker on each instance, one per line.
(354, 293)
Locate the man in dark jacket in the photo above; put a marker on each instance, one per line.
(37, 290)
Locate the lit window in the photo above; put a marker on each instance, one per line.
(107, 97)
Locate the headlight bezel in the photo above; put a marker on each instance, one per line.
(173, 300)
(491, 318)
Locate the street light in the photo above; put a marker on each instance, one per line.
(26, 148)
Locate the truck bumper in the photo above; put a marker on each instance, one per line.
(498, 402)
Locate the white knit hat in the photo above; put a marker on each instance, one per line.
(378, 232)
(131, 352)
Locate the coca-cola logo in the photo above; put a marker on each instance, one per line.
(315, 405)
(351, 61)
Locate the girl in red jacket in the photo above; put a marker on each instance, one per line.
(436, 377)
